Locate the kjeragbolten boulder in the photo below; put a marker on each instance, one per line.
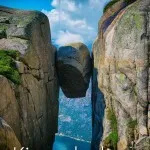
(74, 69)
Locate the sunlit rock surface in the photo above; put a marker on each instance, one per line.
(74, 69)
(121, 58)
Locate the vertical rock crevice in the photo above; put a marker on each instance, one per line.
(98, 106)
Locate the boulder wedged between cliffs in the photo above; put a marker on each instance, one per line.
(74, 69)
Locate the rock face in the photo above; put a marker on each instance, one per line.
(8, 139)
(74, 69)
(31, 107)
(121, 57)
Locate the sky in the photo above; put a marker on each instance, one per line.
(70, 20)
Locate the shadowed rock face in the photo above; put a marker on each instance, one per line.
(8, 139)
(30, 108)
(74, 69)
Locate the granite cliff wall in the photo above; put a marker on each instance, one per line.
(28, 82)
(121, 59)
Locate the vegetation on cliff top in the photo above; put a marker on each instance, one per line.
(112, 2)
(8, 66)
(112, 140)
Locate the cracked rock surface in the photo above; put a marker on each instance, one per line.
(121, 57)
(8, 139)
(30, 108)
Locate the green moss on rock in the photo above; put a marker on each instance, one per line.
(8, 65)
(3, 29)
(112, 2)
(132, 20)
(26, 20)
(109, 4)
(131, 126)
(138, 21)
(122, 77)
(112, 140)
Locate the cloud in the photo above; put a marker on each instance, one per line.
(64, 25)
(55, 3)
(65, 37)
(73, 20)
(55, 16)
(68, 5)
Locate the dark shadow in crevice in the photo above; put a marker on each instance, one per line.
(98, 106)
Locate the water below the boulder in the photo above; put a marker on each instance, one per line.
(68, 143)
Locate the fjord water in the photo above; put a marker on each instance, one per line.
(67, 143)
(75, 123)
